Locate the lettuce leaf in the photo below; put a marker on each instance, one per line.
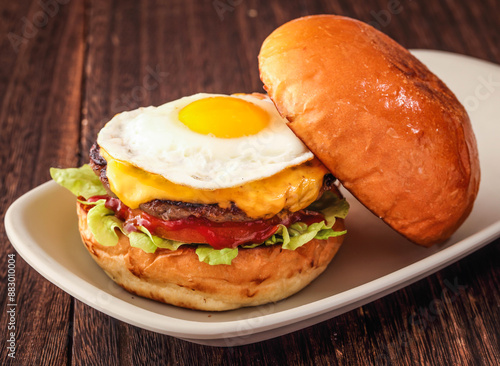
(213, 256)
(331, 206)
(103, 224)
(160, 242)
(80, 181)
(141, 241)
(300, 233)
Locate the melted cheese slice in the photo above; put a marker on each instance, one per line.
(293, 188)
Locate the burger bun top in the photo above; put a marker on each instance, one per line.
(390, 130)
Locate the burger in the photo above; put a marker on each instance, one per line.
(207, 202)
(215, 202)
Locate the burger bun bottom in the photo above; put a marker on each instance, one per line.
(256, 276)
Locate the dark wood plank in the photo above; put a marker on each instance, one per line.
(40, 83)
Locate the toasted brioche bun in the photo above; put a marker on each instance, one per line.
(256, 276)
(391, 131)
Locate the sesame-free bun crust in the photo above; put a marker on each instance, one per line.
(256, 276)
(390, 130)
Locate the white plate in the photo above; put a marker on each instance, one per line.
(374, 260)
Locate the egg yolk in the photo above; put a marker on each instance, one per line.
(224, 117)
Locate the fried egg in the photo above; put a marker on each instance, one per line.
(205, 141)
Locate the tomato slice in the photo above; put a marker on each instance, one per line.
(220, 235)
(193, 229)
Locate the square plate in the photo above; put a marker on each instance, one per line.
(373, 261)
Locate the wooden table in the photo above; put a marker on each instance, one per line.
(66, 67)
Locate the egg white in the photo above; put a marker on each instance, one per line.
(153, 139)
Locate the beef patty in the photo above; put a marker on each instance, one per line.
(174, 210)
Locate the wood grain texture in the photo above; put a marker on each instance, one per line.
(40, 122)
(93, 59)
